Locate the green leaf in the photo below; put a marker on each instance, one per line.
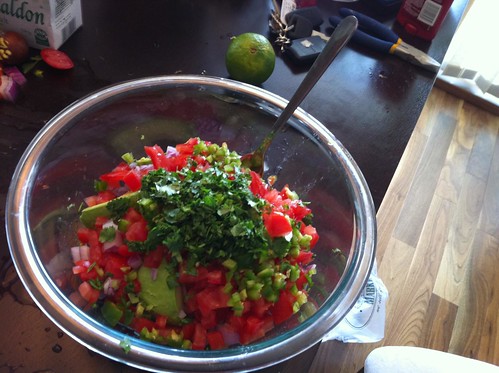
(107, 234)
(118, 207)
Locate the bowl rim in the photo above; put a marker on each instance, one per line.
(145, 355)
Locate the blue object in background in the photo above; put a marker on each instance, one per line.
(376, 36)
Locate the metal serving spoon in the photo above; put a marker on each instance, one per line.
(340, 37)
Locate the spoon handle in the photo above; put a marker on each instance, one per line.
(341, 35)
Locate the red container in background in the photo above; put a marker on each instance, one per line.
(305, 3)
(423, 18)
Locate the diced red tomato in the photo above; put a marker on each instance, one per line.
(160, 160)
(310, 230)
(100, 221)
(257, 187)
(84, 269)
(89, 237)
(208, 320)
(132, 179)
(283, 308)
(215, 340)
(199, 337)
(260, 307)
(302, 280)
(187, 148)
(304, 257)
(89, 275)
(297, 210)
(116, 176)
(153, 258)
(137, 231)
(100, 197)
(136, 286)
(139, 323)
(88, 293)
(211, 298)
(187, 278)
(91, 200)
(273, 197)
(123, 251)
(114, 265)
(188, 330)
(133, 215)
(160, 322)
(246, 307)
(253, 330)
(83, 234)
(277, 224)
(190, 303)
(215, 277)
(95, 254)
(237, 323)
(77, 269)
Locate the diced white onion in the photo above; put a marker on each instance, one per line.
(84, 252)
(80, 253)
(171, 151)
(109, 224)
(107, 287)
(75, 253)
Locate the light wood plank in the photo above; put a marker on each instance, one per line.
(437, 331)
(476, 333)
(393, 270)
(443, 283)
(396, 194)
(420, 195)
(487, 127)
(489, 220)
(456, 162)
(454, 265)
(407, 323)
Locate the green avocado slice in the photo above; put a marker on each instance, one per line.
(158, 293)
(89, 214)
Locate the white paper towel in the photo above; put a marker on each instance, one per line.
(365, 323)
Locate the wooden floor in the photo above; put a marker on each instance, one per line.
(438, 249)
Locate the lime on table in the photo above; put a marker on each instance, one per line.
(250, 58)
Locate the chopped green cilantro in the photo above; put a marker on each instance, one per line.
(118, 207)
(107, 234)
(95, 283)
(207, 214)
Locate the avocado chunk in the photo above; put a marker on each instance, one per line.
(159, 294)
(89, 214)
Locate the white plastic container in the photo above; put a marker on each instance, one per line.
(43, 23)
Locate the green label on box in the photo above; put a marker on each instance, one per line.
(41, 37)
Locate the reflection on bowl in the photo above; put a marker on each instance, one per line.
(85, 140)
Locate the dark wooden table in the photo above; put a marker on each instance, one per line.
(371, 102)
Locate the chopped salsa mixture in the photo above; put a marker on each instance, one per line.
(187, 248)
